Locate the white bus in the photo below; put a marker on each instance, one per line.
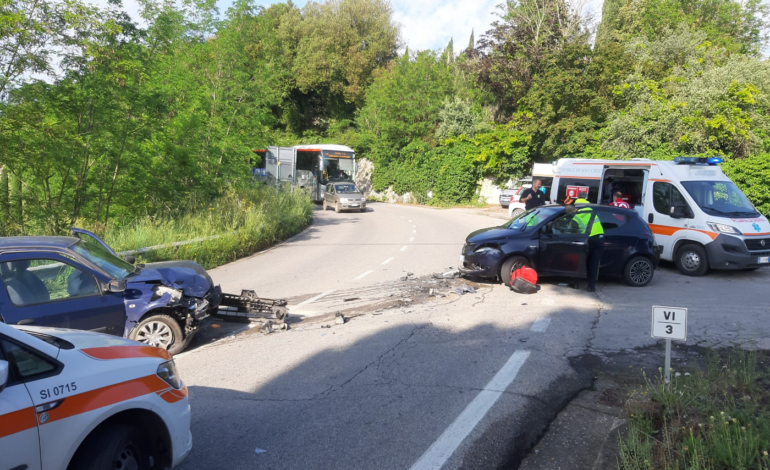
(308, 167)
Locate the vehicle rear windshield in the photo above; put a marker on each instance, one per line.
(720, 198)
(105, 260)
(346, 188)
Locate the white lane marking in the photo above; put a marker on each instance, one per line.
(410, 221)
(313, 299)
(438, 453)
(414, 231)
(411, 240)
(361, 276)
(541, 325)
(404, 248)
(402, 216)
(388, 260)
(414, 226)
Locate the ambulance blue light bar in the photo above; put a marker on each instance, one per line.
(695, 160)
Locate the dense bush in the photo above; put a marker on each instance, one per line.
(752, 175)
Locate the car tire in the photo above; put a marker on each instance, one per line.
(112, 447)
(692, 260)
(509, 266)
(337, 207)
(363, 210)
(160, 331)
(638, 271)
(517, 212)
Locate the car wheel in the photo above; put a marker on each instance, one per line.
(118, 446)
(363, 209)
(337, 207)
(517, 212)
(509, 266)
(638, 271)
(692, 260)
(160, 331)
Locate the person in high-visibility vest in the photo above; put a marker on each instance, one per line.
(589, 222)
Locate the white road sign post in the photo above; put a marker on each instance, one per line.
(669, 323)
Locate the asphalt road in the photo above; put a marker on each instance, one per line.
(455, 382)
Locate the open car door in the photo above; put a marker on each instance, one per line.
(563, 248)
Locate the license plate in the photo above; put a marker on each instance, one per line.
(764, 259)
(462, 259)
(354, 205)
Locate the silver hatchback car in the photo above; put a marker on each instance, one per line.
(344, 196)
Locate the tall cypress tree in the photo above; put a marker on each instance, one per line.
(472, 42)
(610, 20)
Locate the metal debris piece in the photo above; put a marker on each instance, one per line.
(267, 327)
(454, 274)
(339, 319)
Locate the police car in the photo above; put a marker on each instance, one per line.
(88, 401)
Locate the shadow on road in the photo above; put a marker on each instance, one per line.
(375, 403)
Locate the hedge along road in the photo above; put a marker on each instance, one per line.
(447, 384)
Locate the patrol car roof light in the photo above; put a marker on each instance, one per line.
(714, 160)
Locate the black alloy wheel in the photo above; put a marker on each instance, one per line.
(638, 271)
(509, 266)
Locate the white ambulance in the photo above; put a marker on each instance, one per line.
(699, 217)
(87, 401)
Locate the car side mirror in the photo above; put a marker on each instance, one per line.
(678, 212)
(116, 286)
(4, 372)
(130, 259)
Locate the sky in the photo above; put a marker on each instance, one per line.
(425, 24)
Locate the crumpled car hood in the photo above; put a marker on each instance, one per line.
(188, 276)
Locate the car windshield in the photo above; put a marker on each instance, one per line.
(532, 218)
(346, 188)
(105, 260)
(720, 198)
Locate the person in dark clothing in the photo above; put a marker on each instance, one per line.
(533, 197)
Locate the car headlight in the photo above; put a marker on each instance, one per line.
(485, 249)
(167, 372)
(722, 228)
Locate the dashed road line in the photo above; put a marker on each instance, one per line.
(438, 453)
(313, 299)
(411, 240)
(410, 221)
(387, 260)
(361, 276)
(414, 226)
(541, 325)
(404, 248)
(414, 231)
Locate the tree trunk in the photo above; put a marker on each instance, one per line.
(17, 214)
(5, 208)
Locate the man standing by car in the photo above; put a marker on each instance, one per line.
(533, 197)
(590, 223)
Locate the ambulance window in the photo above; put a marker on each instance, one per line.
(25, 363)
(665, 195)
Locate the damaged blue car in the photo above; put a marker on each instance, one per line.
(79, 282)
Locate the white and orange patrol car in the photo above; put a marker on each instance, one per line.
(88, 401)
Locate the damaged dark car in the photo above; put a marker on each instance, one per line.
(79, 282)
(549, 240)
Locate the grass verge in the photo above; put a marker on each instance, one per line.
(714, 416)
(242, 223)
